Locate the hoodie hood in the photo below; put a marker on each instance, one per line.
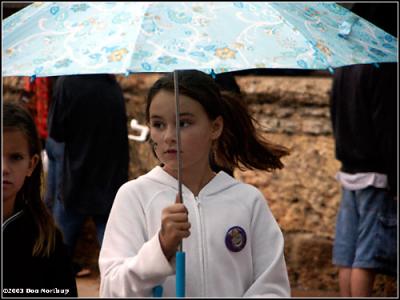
(222, 181)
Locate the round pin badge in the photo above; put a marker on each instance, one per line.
(235, 239)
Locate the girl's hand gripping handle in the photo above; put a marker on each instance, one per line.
(174, 227)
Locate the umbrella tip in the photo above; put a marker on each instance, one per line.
(330, 69)
(33, 77)
(346, 27)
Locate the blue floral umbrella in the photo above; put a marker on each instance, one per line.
(63, 38)
(67, 38)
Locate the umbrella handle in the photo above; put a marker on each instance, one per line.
(180, 278)
(180, 274)
(157, 291)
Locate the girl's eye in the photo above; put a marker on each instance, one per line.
(157, 124)
(184, 123)
(17, 157)
(161, 125)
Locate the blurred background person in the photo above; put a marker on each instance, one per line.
(89, 116)
(364, 114)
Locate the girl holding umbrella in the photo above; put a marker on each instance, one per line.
(234, 245)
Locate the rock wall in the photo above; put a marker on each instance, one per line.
(304, 196)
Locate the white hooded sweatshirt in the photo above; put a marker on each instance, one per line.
(132, 262)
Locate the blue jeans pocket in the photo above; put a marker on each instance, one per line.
(387, 243)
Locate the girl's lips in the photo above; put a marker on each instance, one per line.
(171, 154)
(171, 151)
(5, 182)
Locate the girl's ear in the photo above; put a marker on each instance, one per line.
(32, 164)
(217, 127)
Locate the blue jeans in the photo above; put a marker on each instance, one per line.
(71, 223)
(366, 231)
(55, 154)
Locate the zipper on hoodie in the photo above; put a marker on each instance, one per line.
(201, 244)
(11, 219)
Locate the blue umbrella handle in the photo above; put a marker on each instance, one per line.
(157, 291)
(180, 278)
(180, 274)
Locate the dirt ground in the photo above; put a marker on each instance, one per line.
(89, 287)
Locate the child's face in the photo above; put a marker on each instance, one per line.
(17, 163)
(197, 131)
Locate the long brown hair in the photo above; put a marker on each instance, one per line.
(29, 197)
(240, 144)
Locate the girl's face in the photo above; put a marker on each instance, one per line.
(197, 131)
(17, 164)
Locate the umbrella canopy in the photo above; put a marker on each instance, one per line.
(64, 38)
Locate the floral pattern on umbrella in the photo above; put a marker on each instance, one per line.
(56, 38)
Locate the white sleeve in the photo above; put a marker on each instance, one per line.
(130, 264)
(267, 244)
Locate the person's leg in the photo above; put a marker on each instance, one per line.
(345, 281)
(344, 246)
(70, 224)
(100, 221)
(55, 154)
(371, 203)
(362, 282)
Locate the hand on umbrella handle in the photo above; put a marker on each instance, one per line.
(174, 227)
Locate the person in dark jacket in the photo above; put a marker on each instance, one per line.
(363, 111)
(35, 260)
(88, 115)
(364, 118)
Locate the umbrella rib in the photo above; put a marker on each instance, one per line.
(308, 39)
(128, 63)
(170, 53)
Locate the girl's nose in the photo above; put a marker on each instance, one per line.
(170, 134)
(4, 166)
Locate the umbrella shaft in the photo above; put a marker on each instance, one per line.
(178, 140)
